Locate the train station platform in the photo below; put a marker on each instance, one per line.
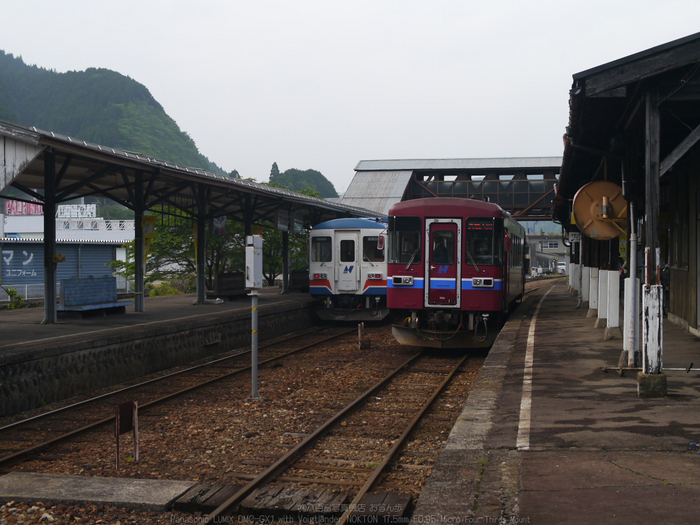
(555, 439)
(44, 363)
(23, 327)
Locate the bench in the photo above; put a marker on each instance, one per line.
(228, 285)
(90, 294)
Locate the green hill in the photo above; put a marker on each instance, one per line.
(95, 105)
(298, 180)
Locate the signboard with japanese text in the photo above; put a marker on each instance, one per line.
(76, 211)
(23, 262)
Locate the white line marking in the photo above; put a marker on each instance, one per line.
(523, 442)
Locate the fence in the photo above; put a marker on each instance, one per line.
(35, 292)
(29, 292)
(94, 224)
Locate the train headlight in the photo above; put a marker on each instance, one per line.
(374, 276)
(319, 276)
(402, 280)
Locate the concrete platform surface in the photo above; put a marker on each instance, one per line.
(23, 327)
(148, 494)
(574, 445)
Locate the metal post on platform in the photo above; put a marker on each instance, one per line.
(253, 281)
(651, 381)
(631, 298)
(612, 328)
(139, 249)
(201, 240)
(50, 273)
(593, 292)
(602, 320)
(285, 263)
(254, 344)
(201, 260)
(653, 299)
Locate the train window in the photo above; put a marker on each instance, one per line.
(321, 249)
(482, 241)
(443, 247)
(404, 240)
(347, 250)
(370, 249)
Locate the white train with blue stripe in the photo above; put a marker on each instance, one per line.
(348, 269)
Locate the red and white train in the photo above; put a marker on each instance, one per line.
(455, 267)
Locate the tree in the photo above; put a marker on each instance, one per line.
(272, 248)
(274, 174)
(172, 252)
(95, 105)
(297, 180)
(272, 253)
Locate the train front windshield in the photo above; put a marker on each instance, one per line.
(321, 249)
(483, 244)
(404, 240)
(370, 249)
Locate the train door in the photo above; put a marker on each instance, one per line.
(347, 269)
(443, 269)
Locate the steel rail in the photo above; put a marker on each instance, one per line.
(290, 457)
(6, 460)
(371, 481)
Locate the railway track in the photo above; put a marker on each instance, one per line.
(21, 439)
(324, 464)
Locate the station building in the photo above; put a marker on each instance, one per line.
(636, 122)
(88, 245)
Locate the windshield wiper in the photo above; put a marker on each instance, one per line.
(471, 259)
(410, 261)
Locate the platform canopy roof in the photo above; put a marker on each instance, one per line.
(508, 164)
(85, 169)
(609, 119)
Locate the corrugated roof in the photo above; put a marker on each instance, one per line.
(596, 120)
(637, 56)
(163, 177)
(378, 190)
(458, 164)
(61, 240)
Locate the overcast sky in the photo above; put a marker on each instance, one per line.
(323, 84)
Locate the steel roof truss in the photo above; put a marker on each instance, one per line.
(66, 163)
(128, 185)
(72, 188)
(105, 192)
(265, 212)
(167, 201)
(26, 190)
(162, 197)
